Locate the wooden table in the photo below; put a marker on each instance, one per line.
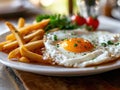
(29, 81)
(105, 81)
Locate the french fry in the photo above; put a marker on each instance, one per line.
(21, 22)
(11, 45)
(30, 46)
(28, 38)
(53, 30)
(35, 38)
(24, 59)
(39, 34)
(23, 50)
(3, 43)
(16, 33)
(32, 56)
(25, 30)
(19, 38)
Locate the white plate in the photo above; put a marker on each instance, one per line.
(116, 13)
(56, 70)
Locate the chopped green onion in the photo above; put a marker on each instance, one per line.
(75, 45)
(117, 44)
(55, 38)
(110, 43)
(104, 44)
(57, 45)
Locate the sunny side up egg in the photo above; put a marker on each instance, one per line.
(79, 48)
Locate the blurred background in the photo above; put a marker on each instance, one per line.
(110, 8)
(108, 11)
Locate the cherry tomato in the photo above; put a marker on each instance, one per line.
(93, 22)
(78, 19)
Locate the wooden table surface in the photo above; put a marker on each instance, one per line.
(105, 81)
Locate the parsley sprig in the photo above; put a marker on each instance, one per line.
(57, 21)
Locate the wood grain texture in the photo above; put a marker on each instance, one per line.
(105, 81)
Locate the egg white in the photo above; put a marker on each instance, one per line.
(100, 54)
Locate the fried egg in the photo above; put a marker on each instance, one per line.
(80, 48)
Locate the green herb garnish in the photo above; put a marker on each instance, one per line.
(75, 45)
(55, 38)
(117, 44)
(57, 45)
(57, 21)
(84, 54)
(110, 43)
(104, 44)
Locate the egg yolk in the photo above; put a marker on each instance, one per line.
(77, 45)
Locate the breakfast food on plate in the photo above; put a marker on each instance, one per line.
(78, 48)
(44, 42)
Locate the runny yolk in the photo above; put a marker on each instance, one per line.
(77, 45)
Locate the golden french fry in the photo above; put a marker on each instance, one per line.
(35, 38)
(21, 22)
(30, 46)
(3, 43)
(53, 30)
(27, 38)
(16, 33)
(24, 59)
(32, 56)
(39, 33)
(11, 45)
(25, 30)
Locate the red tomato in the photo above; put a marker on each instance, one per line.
(78, 19)
(93, 22)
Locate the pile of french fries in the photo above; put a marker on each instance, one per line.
(25, 42)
